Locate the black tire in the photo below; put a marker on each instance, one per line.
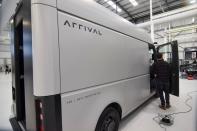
(109, 120)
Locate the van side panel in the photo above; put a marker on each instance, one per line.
(90, 10)
(92, 55)
(99, 67)
(46, 75)
(82, 109)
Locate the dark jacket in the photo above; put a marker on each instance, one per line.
(162, 70)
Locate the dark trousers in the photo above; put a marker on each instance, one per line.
(163, 87)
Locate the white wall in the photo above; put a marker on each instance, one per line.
(2, 62)
(4, 48)
(6, 11)
(5, 62)
(181, 53)
(5, 55)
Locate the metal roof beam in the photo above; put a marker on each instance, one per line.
(173, 15)
(118, 4)
(156, 10)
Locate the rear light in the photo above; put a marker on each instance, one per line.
(39, 116)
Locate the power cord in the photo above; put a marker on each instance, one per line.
(168, 120)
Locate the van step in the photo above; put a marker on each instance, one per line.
(15, 125)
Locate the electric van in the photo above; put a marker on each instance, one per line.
(79, 67)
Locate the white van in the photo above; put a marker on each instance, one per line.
(78, 67)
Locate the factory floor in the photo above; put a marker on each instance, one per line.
(140, 120)
(5, 101)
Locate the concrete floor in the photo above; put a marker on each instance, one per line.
(141, 120)
(5, 101)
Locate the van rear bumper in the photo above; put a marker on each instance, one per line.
(15, 124)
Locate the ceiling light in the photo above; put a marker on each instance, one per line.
(133, 2)
(12, 21)
(192, 1)
(193, 20)
(113, 5)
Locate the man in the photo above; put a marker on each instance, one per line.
(6, 69)
(162, 73)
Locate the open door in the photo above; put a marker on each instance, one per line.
(23, 106)
(170, 54)
(18, 81)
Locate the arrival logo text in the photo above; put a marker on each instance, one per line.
(82, 27)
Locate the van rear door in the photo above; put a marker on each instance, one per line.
(170, 54)
(22, 77)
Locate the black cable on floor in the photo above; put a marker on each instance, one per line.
(186, 103)
(160, 116)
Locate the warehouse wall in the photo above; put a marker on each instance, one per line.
(179, 30)
(6, 11)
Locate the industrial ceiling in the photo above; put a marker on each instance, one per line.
(140, 11)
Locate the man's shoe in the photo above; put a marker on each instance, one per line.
(168, 106)
(162, 107)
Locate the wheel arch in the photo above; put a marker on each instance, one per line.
(116, 106)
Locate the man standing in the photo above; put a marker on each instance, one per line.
(6, 69)
(162, 73)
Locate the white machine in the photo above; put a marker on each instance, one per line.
(77, 66)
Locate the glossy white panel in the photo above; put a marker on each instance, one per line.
(89, 59)
(46, 75)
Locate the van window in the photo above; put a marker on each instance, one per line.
(167, 53)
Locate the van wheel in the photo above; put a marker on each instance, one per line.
(109, 120)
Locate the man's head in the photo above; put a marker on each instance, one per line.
(159, 56)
